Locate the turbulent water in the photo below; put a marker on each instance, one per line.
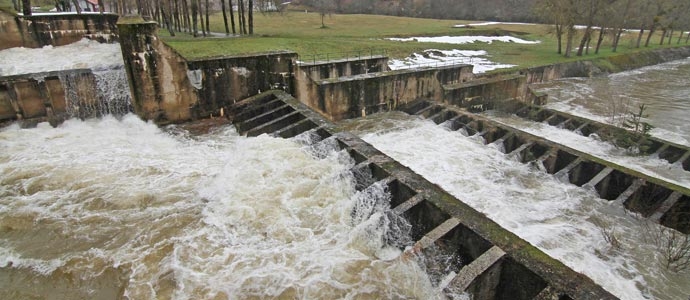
(569, 223)
(664, 89)
(100, 208)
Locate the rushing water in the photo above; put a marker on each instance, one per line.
(664, 89)
(99, 208)
(565, 221)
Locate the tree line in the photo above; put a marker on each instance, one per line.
(190, 16)
(614, 17)
(598, 18)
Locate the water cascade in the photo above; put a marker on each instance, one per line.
(256, 217)
(589, 234)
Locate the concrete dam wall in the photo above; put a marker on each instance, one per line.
(55, 96)
(40, 30)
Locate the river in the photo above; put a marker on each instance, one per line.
(663, 88)
(567, 222)
(106, 207)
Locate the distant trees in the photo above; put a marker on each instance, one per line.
(191, 16)
(613, 17)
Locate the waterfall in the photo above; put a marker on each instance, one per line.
(97, 93)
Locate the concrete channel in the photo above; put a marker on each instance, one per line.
(488, 261)
(654, 147)
(659, 200)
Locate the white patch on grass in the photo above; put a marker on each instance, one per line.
(439, 58)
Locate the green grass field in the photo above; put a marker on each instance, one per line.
(350, 35)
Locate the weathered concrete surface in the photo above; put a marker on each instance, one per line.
(358, 95)
(160, 88)
(223, 81)
(318, 70)
(60, 29)
(167, 88)
(485, 93)
(41, 97)
(491, 263)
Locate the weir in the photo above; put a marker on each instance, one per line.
(653, 147)
(55, 96)
(657, 199)
(488, 261)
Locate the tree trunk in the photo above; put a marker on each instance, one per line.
(639, 37)
(559, 37)
(680, 37)
(670, 37)
(201, 17)
(225, 17)
(232, 17)
(687, 38)
(101, 6)
(76, 6)
(584, 39)
(616, 39)
(569, 40)
(649, 35)
(195, 9)
(602, 31)
(251, 16)
(243, 20)
(208, 26)
(165, 15)
(663, 36)
(26, 7)
(187, 24)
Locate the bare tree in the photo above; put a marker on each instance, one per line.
(195, 9)
(225, 17)
(250, 15)
(243, 20)
(232, 16)
(26, 7)
(208, 25)
(76, 6)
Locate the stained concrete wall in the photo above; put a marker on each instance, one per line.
(40, 97)
(158, 81)
(222, 81)
(167, 88)
(359, 95)
(343, 67)
(61, 29)
(485, 93)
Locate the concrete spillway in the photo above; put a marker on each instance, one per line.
(654, 198)
(654, 147)
(487, 261)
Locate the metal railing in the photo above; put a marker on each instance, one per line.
(341, 56)
(436, 64)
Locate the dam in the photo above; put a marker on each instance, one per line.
(271, 198)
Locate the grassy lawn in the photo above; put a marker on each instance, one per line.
(350, 35)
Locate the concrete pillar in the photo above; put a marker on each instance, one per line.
(157, 75)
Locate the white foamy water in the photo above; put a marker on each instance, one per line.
(664, 89)
(108, 208)
(84, 54)
(563, 220)
(437, 58)
(649, 165)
